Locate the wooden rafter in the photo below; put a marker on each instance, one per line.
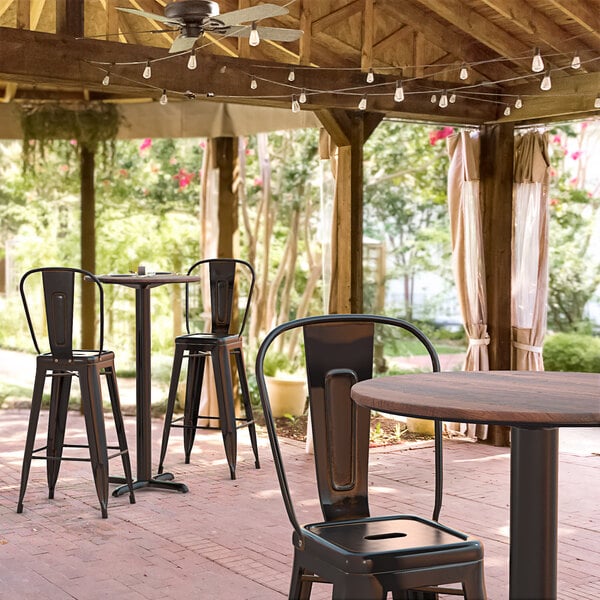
(585, 12)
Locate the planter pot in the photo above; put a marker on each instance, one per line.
(422, 426)
(287, 395)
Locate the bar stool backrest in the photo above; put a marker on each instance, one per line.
(59, 298)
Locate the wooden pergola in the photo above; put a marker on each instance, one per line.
(477, 54)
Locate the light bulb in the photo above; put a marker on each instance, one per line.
(452, 98)
(464, 72)
(292, 75)
(192, 61)
(147, 71)
(362, 105)
(537, 64)
(576, 62)
(507, 111)
(253, 84)
(443, 100)
(519, 102)
(106, 80)
(254, 39)
(399, 93)
(546, 82)
(295, 105)
(163, 99)
(597, 101)
(370, 76)
(433, 99)
(302, 97)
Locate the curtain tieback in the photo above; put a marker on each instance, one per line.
(528, 348)
(479, 341)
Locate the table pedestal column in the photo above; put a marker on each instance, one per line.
(534, 513)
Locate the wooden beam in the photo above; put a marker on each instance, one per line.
(585, 12)
(69, 18)
(23, 14)
(337, 16)
(368, 27)
(306, 26)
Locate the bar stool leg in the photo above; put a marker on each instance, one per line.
(115, 403)
(224, 385)
(36, 404)
(193, 391)
(239, 361)
(57, 418)
(91, 400)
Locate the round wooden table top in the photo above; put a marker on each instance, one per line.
(150, 280)
(520, 398)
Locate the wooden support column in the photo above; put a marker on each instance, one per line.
(348, 130)
(88, 244)
(224, 154)
(497, 156)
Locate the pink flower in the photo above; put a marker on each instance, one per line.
(553, 173)
(554, 202)
(258, 181)
(573, 181)
(173, 161)
(73, 142)
(147, 143)
(440, 134)
(63, 168)
(184, 178)
(202, 144)
(576, 155)
(123, 172)
(557, 140)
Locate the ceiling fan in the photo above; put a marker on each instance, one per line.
(195, 17)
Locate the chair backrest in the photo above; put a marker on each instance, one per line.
(339, 351)
(225, 279)
(59, 291)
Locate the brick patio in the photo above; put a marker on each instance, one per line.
(231, 539)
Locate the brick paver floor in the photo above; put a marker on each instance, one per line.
(231, 539)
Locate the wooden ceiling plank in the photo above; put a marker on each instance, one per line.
(112, 20)
(368, 28)
(23, 14)
(4, 5)
(389, 40)
(70, 18)
(337, 16)
(535, 22)
(37, 6)
(585, 12)
(306, 26)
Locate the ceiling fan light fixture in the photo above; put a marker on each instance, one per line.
(254, 39)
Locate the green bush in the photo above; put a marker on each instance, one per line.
(572, 352)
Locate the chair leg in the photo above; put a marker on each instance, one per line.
(91, 400)
(36, 404)
(57, 418)
(224, 385)
(474, 583)
(300, 589)
(361, 587)
(175, 373)
(115, 403)
(241, 369)
(193, 392)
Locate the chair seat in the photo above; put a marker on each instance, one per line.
(207, 338)
(390, 543)
(79, 356)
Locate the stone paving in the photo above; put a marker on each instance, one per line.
(231, 539)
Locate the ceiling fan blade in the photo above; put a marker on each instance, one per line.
(182, 44)
(276, 34)
(253, 13)
(154, 16)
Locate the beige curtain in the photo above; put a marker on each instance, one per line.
(467, 254)
(530, 250)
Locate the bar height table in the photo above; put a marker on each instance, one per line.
(534, 404)
(143, 361)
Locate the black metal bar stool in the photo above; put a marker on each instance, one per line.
(61, 364)
(220, 345)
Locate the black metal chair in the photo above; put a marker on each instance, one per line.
(61, 363)
(220, 344)
(363, 557)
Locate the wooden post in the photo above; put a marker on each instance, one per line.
(88, 245)
(224, 159)
(497, 156)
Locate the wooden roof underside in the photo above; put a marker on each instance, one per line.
(62, 49)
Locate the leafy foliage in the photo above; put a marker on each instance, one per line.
(572, 352)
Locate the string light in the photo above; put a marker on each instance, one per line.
(253, 83)
(147, 71)
(192, 63)
(443, 100)
(452, 98)
(433, 99)
(519, 102)
(106, 80)
(190, 95)
(302, 97)
(292, 75)
(370, 76)
(254, 39)
(362, 105)
(399, 93)
(546, 82)
(537, 64)
(597, 101)
(163, 99)
(295, 105)
(507, 111)
(464, 72)
(576, 62)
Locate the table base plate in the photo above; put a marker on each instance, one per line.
(162, 481)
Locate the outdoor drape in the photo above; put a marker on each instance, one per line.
(530, 250)
(467, 253)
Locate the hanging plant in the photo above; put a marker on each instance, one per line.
(94, 127)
